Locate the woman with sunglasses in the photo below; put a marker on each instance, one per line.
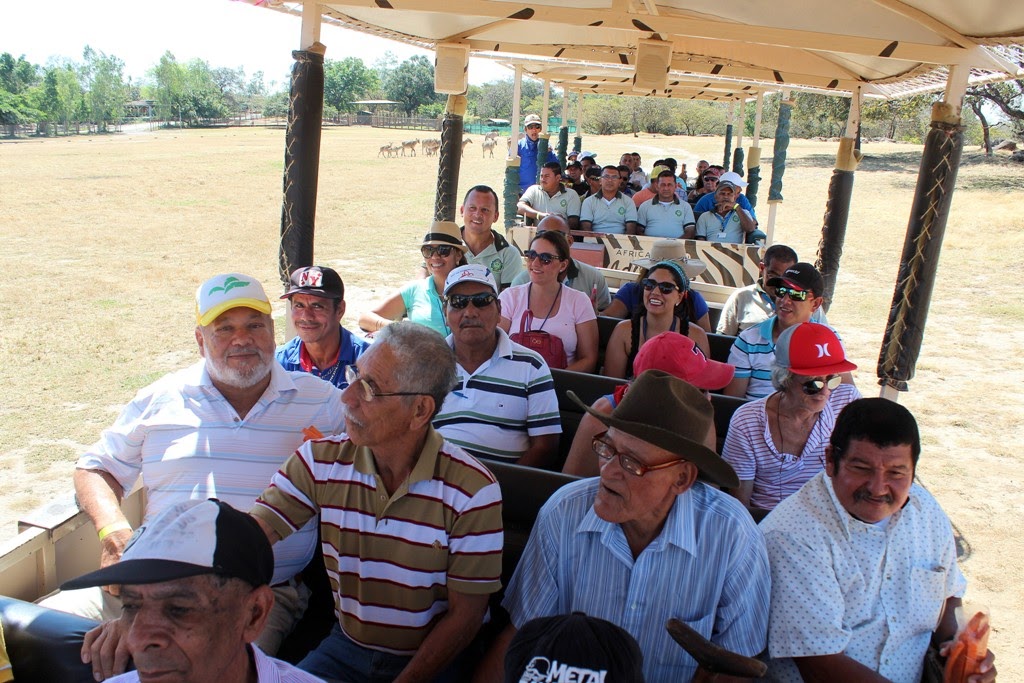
(666, 307)
(777, 443)
(554, 308)
(420, 300)
(630, 295)
(670, 352)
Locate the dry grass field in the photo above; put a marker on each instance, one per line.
(106, 239)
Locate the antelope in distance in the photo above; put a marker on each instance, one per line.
(410, 145)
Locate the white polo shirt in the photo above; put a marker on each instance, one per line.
(186, 442)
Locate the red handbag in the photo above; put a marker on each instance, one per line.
(547, 345)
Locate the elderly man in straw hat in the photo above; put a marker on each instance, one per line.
(629, 295)
(646, 541)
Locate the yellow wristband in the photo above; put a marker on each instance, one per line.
(111, 528)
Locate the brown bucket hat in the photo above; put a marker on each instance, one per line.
(669, 413)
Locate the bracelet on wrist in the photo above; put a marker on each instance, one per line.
(113, 528)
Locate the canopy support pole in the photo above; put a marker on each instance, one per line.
(901, 344)
(302, 152)
(563, 131)
(728, 135)
(737, 155)
(543, 143)
(779, 162)
(754, 155)
(837, 208)
(511, 189)
(577, 142)
(449, 158)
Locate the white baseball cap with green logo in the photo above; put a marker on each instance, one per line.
(226, 291)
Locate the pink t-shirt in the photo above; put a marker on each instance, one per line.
(574, 307)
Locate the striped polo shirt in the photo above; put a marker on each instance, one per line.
(392, 559)
(493, 412)
(752, 354)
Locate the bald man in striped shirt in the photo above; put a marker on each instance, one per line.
(410, 524)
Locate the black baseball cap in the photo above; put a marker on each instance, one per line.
(316, 281)
(802, 275)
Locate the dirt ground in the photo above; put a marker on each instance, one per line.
(106, 238)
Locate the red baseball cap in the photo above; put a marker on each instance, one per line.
(677, 355)
(811, 349)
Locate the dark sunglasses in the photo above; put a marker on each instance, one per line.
(815, 386)
(546, 259)
(460, 301)
(664, 287)
(444, 250)
(794, 294)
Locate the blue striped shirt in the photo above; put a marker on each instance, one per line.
(708, 568)
(493, 411)
(753, 355)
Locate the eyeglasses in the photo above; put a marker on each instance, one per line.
(611, 177)
(369, 393)
(606, 452)
(444, 250)
(664, 287)
(460, 301)
(546, 259)
(794, 294)
(816, 385)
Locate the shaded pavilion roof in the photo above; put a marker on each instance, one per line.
(887, 48)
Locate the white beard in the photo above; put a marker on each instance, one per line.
(239, 378)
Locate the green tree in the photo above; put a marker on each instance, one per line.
(700, 117)
(20, 92)
(62, 94)
(495, 98)
(207, 100)
(898, 119)
(232, 86)
(170, 89)
(106, 91)
(255, 93)
(1008, 98)
(17, 75)
(349, 80)
(412, 83)
(276, 105)
(605, 115)
(818, 115)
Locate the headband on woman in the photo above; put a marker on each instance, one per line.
(674, 266)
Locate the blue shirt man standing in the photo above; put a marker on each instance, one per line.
(528, 154)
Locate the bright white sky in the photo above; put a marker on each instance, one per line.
(222, 32)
